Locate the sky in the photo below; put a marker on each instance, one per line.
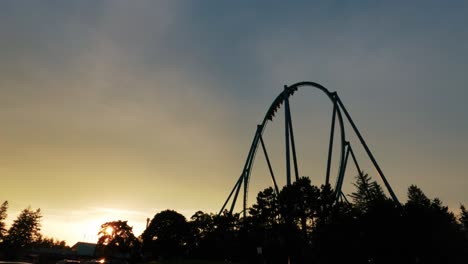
(116, 110)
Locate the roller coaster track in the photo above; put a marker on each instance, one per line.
(345, 147)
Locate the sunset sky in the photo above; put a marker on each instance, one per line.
(116, 110)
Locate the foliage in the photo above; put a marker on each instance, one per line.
(166, 235)
(48, 242)
(23, 234)
(299, 204)
(201, 225)
(116, 239)
(266, 211)
(463, 218)
(25, 230)
(301, 224)
(3, 216)
(214, 236)
(368, 193)
(225, 237)
(306, 224)
(417, 198)
(432, 231)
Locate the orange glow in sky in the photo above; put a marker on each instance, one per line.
(109, 230)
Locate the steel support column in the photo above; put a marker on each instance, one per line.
(369, 153)
(286, 127)
(330, 145)
(293, 144)
(269, 164)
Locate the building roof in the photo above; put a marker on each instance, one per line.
(84, 249)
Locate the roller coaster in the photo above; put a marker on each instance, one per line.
(340, 115)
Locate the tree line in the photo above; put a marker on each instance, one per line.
(302, 223)
(24, 233)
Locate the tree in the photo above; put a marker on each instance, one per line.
(416, 197)
(116, 239)
(224, 239)
(201, 225)
(25, 230)
(3, 216)
(326, 200)
(266, 211)
(433, 233)
(49, 242)
(463, 218)
(299, 204)
(166, 235)
(335, 230)
(368, 193)
(214, 236)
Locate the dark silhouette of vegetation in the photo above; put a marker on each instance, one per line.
(264, 214)
(367, 193)
(23, 234)
(166, 235)
(463, 218)
(50, 243)
(25, 230)
(3, 216)
(23, 238)
(300, 224)
(116, 240)
(305, 224)
(431, 230)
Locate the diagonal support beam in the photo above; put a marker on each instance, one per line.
(233, 204)
(369, 153)
(358, 169)
(269, 165)
(343, 197)
(239, 182)
(340, 180)
(330, 145)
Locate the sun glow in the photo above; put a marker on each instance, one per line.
(109, 230)
(85, 225)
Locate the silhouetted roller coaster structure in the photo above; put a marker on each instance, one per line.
(345, 150)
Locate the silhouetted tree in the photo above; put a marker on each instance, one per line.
(225, 238)
(3, 216)
(166, 235)
(260, 228)
(326, 200)
(338, 230)
(367, 193)
(24, 232)
(116, 239)
(48, 242)
(463, 218)
(433, 234)
(266, 211)
(299, 204)
(362, 231)
(335, 230)
(201, 226)
(298, 207)
(417, 198)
